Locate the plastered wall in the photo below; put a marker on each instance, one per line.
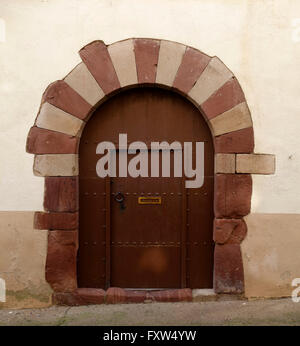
(258, 40)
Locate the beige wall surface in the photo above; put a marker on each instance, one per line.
(258, 40)
(22, 264)
(271, 255)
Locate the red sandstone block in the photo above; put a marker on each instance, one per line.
(146, 57)
(57, 221)
(68, 299)
(241, 141)
(62, 96)
(229, 231)
(115, 295)
(229, 272)
(225, 98)
(61, 194)
(192, 65)
(42, 141)
(89, 296)
(176, 295)
(136, 296)
(232, 195)
(61, 260)
(98, 61)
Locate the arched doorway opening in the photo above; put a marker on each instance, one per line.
(65, 110)
(160, 236)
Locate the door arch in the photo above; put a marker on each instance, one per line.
(165, 245)
(105, 70)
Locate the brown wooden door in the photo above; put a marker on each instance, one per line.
(134, 245)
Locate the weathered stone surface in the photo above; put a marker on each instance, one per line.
(232, 195)
(169, 60)
(123, 58)
(136, 296)
(241, 141)
(53, 118)
(81, 80)
(204, 295)
(55, 165)
(89, 296)
(225, 98)
(62, 96)
(236, 118)
(67, 299)
(61, 260)
(178, 295)
(225, 163)
(42, 141)
(115, 295)
(61, 194)
(255, 163)
(213, 77)
(230, 231)
(98, 62)
(146, 57)
(81, 296)
(55, 221)
(228, 273)
(193, 64)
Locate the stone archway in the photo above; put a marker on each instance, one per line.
(105, 70)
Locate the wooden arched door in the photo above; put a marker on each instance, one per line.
(160, 236)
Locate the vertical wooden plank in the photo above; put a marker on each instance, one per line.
(183, 236)
(107, 230)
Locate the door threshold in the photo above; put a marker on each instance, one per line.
(150, 289)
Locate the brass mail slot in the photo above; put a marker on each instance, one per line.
(149, 200)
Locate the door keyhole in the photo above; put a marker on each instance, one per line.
(119, 197)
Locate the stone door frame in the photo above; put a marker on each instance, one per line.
(106, 70)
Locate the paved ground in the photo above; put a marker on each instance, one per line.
(241, 312)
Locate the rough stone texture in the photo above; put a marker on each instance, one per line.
(62, 96)
(53, 118)
(169, 60)
(225, 98)
(240, 141)
(122, 56)
(193, 64)
(98, 61)
(115, 295)
(55, 221)
(178, 295)
(225, 163)
(213, 77)
(81, 80)
(81, 296)
(204, 295)
(255, 163)
(61, 194)
(236, 118)
(146, 57)
(42, 141)
(61, 260)
(137, 296)
(229, 272)
(55, 165)
(67, 299)
(232, 195)
(230, 231)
